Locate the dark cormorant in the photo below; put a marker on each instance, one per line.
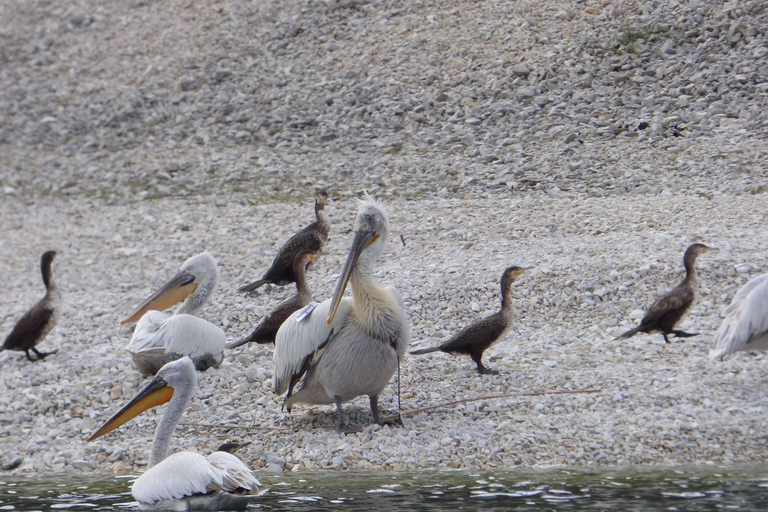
(475, 338)
(266, 329)
(668, 310)
(36, 323)
(311, 238)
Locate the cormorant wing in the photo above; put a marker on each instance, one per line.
(30, 324)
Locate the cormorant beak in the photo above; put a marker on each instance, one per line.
(232, 447)
(157, 392)
(174, 291)
(521, 270)
(362, 240)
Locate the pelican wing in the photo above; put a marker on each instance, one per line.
(746, 322)
(186, 474)
(186, 335)
(298, 341)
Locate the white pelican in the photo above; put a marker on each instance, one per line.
(346, 347)
(745, 326)
(160, 337)
(185, 480)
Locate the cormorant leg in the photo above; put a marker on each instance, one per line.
(666, 340)
(29, 356)
(683, 334)
(485, 371)
(342, 427)
(42, 355)
(375, 409)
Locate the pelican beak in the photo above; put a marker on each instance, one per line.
(174, 291)
(157, 392)
(362, 240)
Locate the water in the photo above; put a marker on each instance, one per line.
(653, 488)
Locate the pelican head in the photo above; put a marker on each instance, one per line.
(194, 282)
(176, 375)
(371, 232)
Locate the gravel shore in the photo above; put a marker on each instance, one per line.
(592, 140)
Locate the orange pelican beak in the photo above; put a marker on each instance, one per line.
(178, 288)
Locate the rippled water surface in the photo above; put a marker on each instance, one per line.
(707, 488)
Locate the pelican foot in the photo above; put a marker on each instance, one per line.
(349, 429)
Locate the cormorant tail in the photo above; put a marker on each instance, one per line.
(252, 286)
(424, 350)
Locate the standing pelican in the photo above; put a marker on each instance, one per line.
(745, 326)
(346, 347)
(185, 480)
(475, 338)
(41, 318)
(160, 337)
(670, 308)
(311, 238)
(267, 328)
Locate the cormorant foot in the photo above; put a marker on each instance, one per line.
(482, 370)
(683, 334)
(395, 421)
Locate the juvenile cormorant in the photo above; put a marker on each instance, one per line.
(311, 238)
(266, 329)
(668, 310)
(475, 338)
(36, 323)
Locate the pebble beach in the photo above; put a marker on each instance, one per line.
(593, 141)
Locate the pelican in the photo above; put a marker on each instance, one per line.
(745, 326)
(160, 337)
(311, 238)
(267, 328)
(670, 308)
(475, 338)
(346, 347)
(40, 319)
(185, 480)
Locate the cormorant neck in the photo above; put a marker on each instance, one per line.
(507, 306)
(166, 427)
(45, 268)
(690, 269)
(301, 280)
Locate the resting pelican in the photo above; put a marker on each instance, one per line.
(185, 480)
(311, 238)
(475, 338)
(346, 347)
(160, 337)
(745, 326)
(267, 328)
(669, 309)
(41, 318)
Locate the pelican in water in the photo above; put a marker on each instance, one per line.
(311, 238)
(346, 347)
(266, 329)
(41, 318)
(160, 337)
(475, 338)
(745, 326)
(670, 308)
(185, 480)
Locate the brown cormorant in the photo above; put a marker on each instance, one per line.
(36, 323)
(311, 238)
(475, 338)
(266, 329)
(668, 310)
